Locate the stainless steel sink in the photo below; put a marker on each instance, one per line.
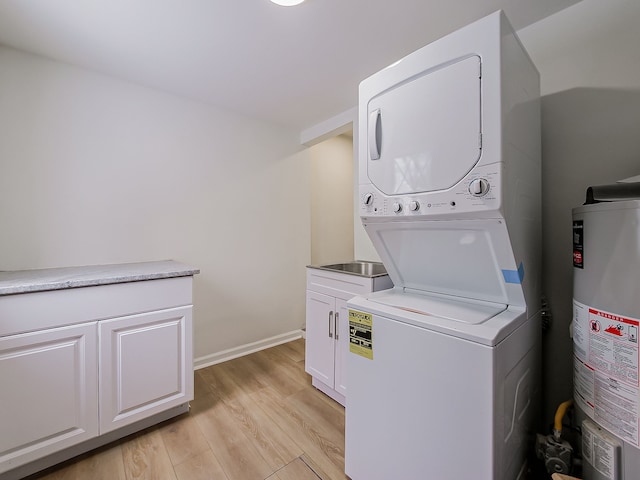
(360, 268)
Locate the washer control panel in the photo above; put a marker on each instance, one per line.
(479, 191)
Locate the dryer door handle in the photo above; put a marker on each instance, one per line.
(375, 134)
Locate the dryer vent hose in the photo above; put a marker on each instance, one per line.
(560, 412)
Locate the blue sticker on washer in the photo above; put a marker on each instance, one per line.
(514, 276)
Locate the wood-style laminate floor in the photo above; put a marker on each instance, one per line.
(253, 418)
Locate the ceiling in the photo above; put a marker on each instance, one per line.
(295, 66)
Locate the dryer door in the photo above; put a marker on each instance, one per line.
(424, 134)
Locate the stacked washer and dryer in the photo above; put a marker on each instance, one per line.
(444, 368)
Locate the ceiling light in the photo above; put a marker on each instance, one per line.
(287, 3)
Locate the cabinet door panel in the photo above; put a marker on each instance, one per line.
(48, 398)
(319, 352)
(146, 365)
(342, 346)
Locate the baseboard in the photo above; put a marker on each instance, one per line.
(242, 350)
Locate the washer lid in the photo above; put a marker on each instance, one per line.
(458, 258)
(424, 134)
(465, 311)
(480, 322)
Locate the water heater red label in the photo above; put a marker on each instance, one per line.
(578, 245)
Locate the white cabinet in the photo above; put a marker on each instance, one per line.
(48, 397)
(106, 361)
(143, 365)
(327, 323)
(326, 339)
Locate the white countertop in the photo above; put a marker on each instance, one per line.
(26, 281)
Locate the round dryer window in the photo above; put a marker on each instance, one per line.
(424, 135)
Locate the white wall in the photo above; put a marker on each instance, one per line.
(345, 123)
(332, 201)
(589, 62)
(94, 170)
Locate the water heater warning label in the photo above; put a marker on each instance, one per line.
(600, 450)
(578, 243)
(606, 359)
(361, 334)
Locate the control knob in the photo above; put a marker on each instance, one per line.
(397, 207)
(414, 206)
(368, 199)
(478, 187)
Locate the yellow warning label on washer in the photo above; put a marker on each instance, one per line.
(360, 334)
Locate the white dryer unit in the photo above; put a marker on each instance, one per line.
(443, 368)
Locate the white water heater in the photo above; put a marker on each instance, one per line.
(606, 324)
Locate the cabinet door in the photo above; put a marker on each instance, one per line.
(342, 346)
(48, 397)
(320, 344)
(146, 365)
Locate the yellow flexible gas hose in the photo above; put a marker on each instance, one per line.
(560, 412)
